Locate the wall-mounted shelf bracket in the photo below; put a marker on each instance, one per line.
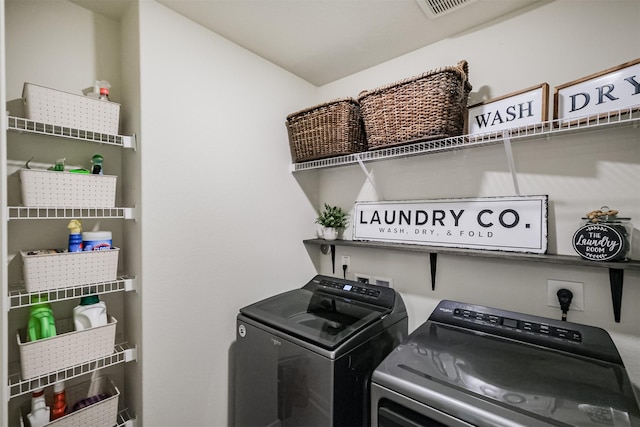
(506, 139)
(433, 261)
(616, 278)
(327, 249)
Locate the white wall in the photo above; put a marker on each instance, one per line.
(222, 218)
(555, 43)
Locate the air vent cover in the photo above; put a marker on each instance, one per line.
(435, 8)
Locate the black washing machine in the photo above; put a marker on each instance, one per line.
(470, 365)
(305, 357)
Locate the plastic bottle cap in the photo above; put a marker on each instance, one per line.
(58, 387)
(89, 300)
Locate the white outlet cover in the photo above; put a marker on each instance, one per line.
(387, 282)
(577, 288)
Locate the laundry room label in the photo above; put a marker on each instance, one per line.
(524, 108)
(517, 224)
(599, 242)
(617, 88)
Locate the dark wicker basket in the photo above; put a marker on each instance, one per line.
(429, 106)
(331, 129)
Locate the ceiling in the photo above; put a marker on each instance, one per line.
(324, 40)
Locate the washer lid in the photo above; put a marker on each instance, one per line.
(315, 316)
(441, 365)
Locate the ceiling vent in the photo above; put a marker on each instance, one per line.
(435, 8)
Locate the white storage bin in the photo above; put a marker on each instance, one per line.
(42, 188)
(99, 414)
(43, 104)
(66, 349)
(59, 270)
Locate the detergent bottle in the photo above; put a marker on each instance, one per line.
(90, 313)
(97, 162)
(39, 414)
(41, 321)
(75, 236)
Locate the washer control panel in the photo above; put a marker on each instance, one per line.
(351, 287)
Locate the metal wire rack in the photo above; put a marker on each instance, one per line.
(624, 117)
(20, 124)
(17, 386)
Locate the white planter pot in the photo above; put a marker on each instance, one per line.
(329, 233)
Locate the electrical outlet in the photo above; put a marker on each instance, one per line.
(362, 278)
(346, 260)
(387, 282)
(576, 288)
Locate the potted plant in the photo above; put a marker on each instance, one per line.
(332, 219)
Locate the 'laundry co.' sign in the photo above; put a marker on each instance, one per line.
(517, 224)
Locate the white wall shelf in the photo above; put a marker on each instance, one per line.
(619, 118)
(122, 353)
(22, 212)
(19, 124)
(19, 297)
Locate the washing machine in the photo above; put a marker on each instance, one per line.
(305, 357)
(471, 365)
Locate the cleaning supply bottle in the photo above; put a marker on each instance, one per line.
(59, 408)
(41, 321)
(90, 313)
(75, 236)
(97, 161)
(39, 414)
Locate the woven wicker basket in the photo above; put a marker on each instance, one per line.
(429, 106)
(334, 128)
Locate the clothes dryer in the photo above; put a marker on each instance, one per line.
(471, 365)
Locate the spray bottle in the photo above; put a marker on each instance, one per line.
(75, 236)
(59, 408)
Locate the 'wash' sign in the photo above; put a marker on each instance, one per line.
(617, 88)
(517, 224)
(524, 108)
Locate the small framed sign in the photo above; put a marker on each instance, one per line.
(611, 90)
(516, 224)
(519, 109)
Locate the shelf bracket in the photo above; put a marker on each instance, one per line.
(324, 248)
(369, 177)
(333, 258)
(433, 261)
(616, 278)
(506, 138)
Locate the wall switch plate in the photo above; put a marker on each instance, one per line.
(576, 288)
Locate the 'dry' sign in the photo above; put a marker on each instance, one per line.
(520, 109)
(611, 90)
(517, 224)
